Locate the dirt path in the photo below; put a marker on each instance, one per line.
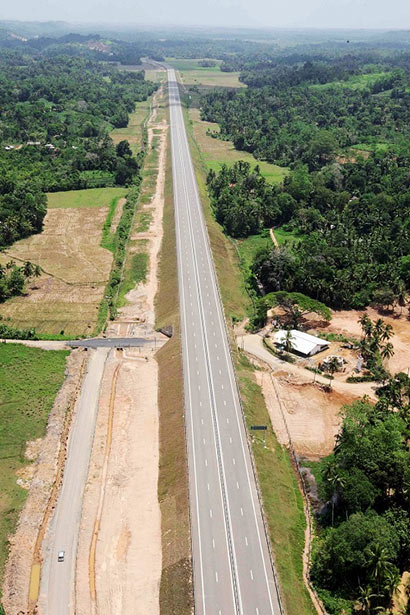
(274, 240)
(119, 557)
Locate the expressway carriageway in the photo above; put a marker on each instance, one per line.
(233, 573)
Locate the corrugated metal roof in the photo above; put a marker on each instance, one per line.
(301, 342)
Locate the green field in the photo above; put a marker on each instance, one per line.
(29, 381)
(93, 197)
(194, 74)
(372, 147)
(133, 133)
(282, 236)
(249, 247)
(215, 152)
(356, 82)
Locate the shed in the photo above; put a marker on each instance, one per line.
(302, 343)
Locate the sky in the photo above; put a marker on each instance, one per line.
(250, 13)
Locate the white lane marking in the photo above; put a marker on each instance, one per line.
(203, 440)
(202, 421)
(233, 461)
(209, 488)
(237, 485)
(197, 372)
(200, 403)
(246, 541)
(227, 420)
(241, 511)
(257, 611)
(220, 372)
(216, 577)
(206, 462)
(210, 512)
(199, 387)
(251, 574)
(230, 440)
(222, 387)
(189, 393)
(213, 543)
(230, 368)
(224, 402)
(217, 357)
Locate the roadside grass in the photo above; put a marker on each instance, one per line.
(29, 381)
(235, 298)
(176, 591)
(215, 152)
(155, 75)
(134, 131)
(193, 64)
(143, 221)
(134, 273)
(92, 197)
(282, 499)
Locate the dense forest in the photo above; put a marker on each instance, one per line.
(343, 129)
(55, 119)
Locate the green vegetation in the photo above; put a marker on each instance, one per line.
(205, 72)
(29, 381)
(13, 278)
(108, 238)
(365, 527)
(356, 82)
(215, 152)
(135, 273)
(93, 197)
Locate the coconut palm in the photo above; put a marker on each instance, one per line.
(288, 341)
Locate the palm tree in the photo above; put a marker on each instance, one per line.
(288, 341)
(379, 564)
(401, 295)
(387, 351)
(37, 271)
(366, 596)
(332, 366)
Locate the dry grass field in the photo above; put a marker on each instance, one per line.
(75, 268)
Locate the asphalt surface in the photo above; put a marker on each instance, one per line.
(232, 569)
(58, 578)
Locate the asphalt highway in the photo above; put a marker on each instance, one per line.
(58, 578)
(233, 573)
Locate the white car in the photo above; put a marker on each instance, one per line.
(60, 556)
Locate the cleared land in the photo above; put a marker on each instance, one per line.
(29, 381)
(193, 74)
(75, 268)
(356, 82)
(215, 152)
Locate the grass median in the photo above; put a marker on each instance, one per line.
(176, 593)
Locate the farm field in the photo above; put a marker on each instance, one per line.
(93, 197)
(75, 268)
(29, 381)
(215, 152)
(194, 74)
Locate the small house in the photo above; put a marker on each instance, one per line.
(301, 343)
